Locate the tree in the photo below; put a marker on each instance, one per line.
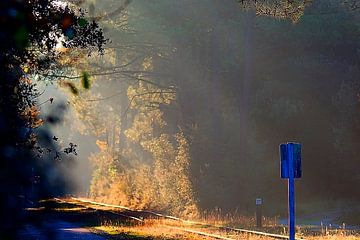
(30, 34)
(280, 9)
(241, 84)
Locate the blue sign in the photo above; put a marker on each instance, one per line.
(290, 159)
(290, 151)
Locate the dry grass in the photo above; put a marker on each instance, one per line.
(76, 209)
(155, 232)
(168, 230)
(335, 237)
(218, 218)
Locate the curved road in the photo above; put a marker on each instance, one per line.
(58, 230)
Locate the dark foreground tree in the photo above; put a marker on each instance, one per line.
(30, 33)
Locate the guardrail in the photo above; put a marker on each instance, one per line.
(240, 230)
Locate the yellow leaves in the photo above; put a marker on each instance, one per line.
(73, 58)
(146, 96)
(162, 180)
(161, 147)
(183, 156)
(103, 160)
(139, 98)
(293, 10)
(62, 49)
(142, 128)
(102, 145)
(89, 115)
(148, 64)
(112, 171)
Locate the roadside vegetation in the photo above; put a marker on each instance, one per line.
(107, 222)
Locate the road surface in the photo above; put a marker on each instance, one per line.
(58, 230)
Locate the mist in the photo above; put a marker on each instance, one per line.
(202, 93)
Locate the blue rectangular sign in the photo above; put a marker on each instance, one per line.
(284, 163)
(295, 149)
(297, 160)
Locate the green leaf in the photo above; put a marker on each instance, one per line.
(85, 80)
(22, 37)
(82, 22)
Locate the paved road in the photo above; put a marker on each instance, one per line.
(58, 230)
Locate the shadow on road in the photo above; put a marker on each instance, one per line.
(57, 220)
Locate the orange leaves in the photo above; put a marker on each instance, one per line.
(31, 115)
(102, 145)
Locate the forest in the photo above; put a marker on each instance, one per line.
(180, 106)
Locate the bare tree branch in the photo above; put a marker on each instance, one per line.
(113, 13)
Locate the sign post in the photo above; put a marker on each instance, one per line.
(290, 158)
(258, 203)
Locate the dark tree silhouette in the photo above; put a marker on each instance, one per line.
(29, 34)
